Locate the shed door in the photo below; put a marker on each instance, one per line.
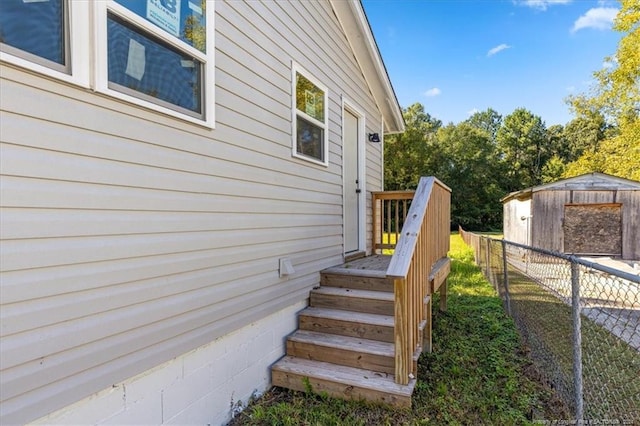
(351, 183)
(593, 229)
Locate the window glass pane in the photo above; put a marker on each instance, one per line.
(184, 19)
(36, 27)
(146, 65)
(309, 98)
(309, 139)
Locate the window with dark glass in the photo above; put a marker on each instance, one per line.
(310, 119)
(35, 30)
(160, 58)
(145, 66)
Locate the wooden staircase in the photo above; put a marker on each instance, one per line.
(344, 346)
(369, 320)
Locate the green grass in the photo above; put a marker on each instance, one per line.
(477, 373)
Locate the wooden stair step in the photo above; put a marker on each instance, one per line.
(360, 279)
(343, 350)
(346, 323)
(374, 302)
(341, 381)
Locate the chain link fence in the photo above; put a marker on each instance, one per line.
(579, 320)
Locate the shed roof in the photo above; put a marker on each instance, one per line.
(356, 27)
(587, 182)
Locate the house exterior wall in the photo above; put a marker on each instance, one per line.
(207, 385)
(130, 238)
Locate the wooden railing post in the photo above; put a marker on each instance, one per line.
(374, 221)
(401, 331)
(422, 243)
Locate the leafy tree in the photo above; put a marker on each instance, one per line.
(618, 156)
(463, 156)
(411, 154)
(522, 141)
(553, 170)
(470, 169)
(617, 97)
(584, 134)
(558, 143)
(489, 121)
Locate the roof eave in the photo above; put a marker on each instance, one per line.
(355, 25)
(528, 192)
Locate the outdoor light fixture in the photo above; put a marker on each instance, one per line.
(374, 137)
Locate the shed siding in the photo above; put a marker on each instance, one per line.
(592, 197)
(129, 237)
(546, 222)
(516, 229)
(630, 223)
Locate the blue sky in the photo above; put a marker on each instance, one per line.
(460, 56)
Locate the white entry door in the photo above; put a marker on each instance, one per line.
(352, 183)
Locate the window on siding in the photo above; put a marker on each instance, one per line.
(156, 52)
(163, 74)
(36, 30)
(310, 118)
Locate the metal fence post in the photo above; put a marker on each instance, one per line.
(488, 260)
(577, 340)
(505, 272)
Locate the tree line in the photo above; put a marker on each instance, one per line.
(487, 156)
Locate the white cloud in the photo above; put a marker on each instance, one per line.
(608, 64)
(472, 111)
(498, 49)
(599, 18)
(571, 89)
(432, 92)
(542, 4)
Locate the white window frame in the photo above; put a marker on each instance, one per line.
(78, 69)
(87, 56)
(101, 10)
(295, 113)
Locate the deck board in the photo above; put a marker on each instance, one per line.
(374, 266)
(344, 342)
(343, 350)
(342, 381)
(347, 323)
(374, 302)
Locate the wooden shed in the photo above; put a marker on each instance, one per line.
(591, 214)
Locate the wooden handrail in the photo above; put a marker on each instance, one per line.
(424, 241)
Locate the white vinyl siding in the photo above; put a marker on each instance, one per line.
(129, 237)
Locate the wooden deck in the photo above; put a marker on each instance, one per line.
(377, 263)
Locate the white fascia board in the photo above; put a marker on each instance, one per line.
(356, 27)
